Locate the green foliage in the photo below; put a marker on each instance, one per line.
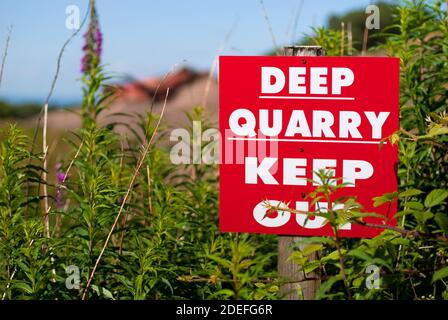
(412, 257)
(357, 19)
(24, 255)
(326, 38)
(19, 111)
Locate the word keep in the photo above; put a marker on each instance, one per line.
(295, 169)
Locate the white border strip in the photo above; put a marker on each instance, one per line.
(305, 140)
(306, 98)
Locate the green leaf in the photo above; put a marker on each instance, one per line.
(410, 193)
(442, 221)
(394, 138)
(358, 253)
(297, 257)
(401, 241)
(438, 129)
(377, 201)
(224, 292)
(333, 255)
(221, 261)
(423, 216)
(440, 274)
(404, 213)
(95, 289)
(107, 294)
(387, 197)
(23, 287)
(435, 197)
(309, 249)
(357, 282)
(260, 285)
(314, 240)
(168, 284)
(246, 263)
(414, 205)
(310, 266)
(259, 295)
(273, 289)
(326, 286)
(380, 262)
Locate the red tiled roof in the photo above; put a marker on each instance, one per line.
(146, 89)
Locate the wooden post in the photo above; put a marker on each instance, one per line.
(289, 270)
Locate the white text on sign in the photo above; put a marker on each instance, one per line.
(273, 80)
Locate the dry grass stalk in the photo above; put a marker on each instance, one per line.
(5, 54)
(44, 172)
(349, 38)
(364, 41)
(271, 32)
(126, 197)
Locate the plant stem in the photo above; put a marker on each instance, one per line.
(5, 54)
(123, 203)
(404, 232)
(337, 242)
(44, 173)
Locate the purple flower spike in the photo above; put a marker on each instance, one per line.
(93, 44)
(61, 177)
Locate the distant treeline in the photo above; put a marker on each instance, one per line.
(23, 110)
(357, 19)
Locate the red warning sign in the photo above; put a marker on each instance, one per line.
(282, 119)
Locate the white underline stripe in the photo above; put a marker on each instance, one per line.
(306, 140)
(306, 98)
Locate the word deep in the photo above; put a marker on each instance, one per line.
(273, 80)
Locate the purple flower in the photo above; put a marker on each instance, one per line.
(59, 198)
(60, 176)
(93, 46)
(99, 41)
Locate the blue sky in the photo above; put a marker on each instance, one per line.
(143, 37)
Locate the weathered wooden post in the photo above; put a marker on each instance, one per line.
(289, 270)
